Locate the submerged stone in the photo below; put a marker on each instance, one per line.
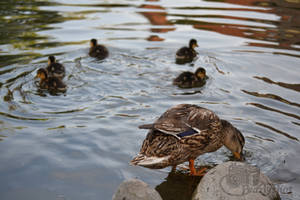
(135, 189)
(235, 181)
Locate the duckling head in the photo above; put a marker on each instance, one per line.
(193, 44)
(234, 140)
(200, 73)
(42, 74)
(93, 42)
(51, 60)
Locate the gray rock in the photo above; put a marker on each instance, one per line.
(135, 189)
(235, 181)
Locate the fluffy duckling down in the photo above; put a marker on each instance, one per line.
(189, 80)
(52, 84)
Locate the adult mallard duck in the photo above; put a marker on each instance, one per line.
(53, 84)
(97, 50)
(187, 54)
(55, 69)
(183, 133)
(189, 79)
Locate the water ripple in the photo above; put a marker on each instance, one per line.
(83, 140)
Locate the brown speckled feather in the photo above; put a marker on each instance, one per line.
(182, 117)
(56, 70)
(162, 139)
(98, 51)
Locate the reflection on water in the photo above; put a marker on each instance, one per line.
(21, 21)
(286, 85)
(178, 185)
(272, 96)
(275, 110)
(282, 32)
(78, 145)
(277, 131)
(156, 16)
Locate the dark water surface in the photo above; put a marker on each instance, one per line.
(77, 145)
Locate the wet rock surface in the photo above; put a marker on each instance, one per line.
(135, 189)
(235, 181)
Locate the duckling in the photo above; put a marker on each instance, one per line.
(55, 69)
(97, 50)
(52, 84)
(187, 54)
(189, 79)
(183, 133)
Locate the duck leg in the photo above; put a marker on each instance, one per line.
(173, 168)
(194, 172)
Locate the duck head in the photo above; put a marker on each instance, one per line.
(51, 60)
(93, 42)
(200, 73)
(193, 44)
(234, 140)
(42, 74)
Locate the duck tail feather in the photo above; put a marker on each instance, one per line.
(146, 126)
(146, 161)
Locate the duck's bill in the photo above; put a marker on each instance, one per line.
(239, 156)
(146, 126)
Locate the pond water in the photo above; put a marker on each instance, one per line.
(78, 145)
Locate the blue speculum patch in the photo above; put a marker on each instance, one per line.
(187, 133)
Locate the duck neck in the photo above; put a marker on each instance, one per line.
(233, 138)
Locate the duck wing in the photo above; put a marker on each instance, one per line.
(185, 120)
(185, 80)
(56, 70)
(184, 51)
(101, 51)
(55, 84)
(184, 76)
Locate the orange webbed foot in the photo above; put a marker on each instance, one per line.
(194, 172)
(200, 172)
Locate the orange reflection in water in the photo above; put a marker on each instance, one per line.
(158, 17)
(284, 35)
